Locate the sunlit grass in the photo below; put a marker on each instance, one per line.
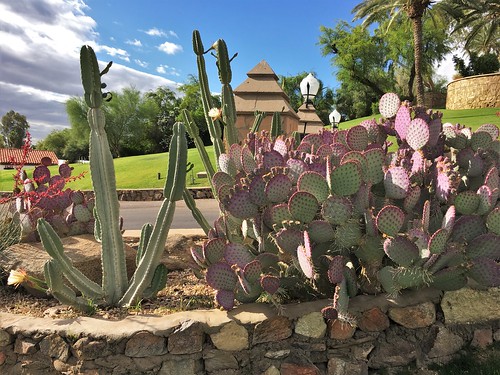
(136, 172)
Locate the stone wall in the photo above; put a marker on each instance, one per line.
(474, 92)
(413, 329)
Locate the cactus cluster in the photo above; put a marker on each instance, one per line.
(150, 275)
(44, 195)
(340, 212)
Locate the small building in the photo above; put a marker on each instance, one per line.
(261, 92)
(10, 158)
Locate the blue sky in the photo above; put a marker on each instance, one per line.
(149, 42)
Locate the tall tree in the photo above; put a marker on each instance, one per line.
(477, 22)
(14, 127)
(377, 10)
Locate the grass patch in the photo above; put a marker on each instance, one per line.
(141, 172)
(473, 362)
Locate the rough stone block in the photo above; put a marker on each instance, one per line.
(145, 344)
(274, 329)
(231, 337)
(418, 316)
(482, 338)
(468, 305)
(311, 325)
(373, 320)
(187, 339)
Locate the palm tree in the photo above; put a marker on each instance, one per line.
(377, 10)
(478, 21)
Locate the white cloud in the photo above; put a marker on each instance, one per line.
(142, 64)
(170, 48)
(39, 61)
(135, 42)
(167, 70)
(446, 68)
(155, 32)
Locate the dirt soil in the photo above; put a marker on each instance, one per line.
(183, 292)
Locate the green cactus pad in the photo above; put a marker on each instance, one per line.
(375, 158)
(468, 227)
(295, 168)
(421, 239)
(338, 152)
(278, 188)
(314, 140)
(466, 202)
(396, 183)
(222, 178)
(426, 215)
(356, 156)
(250, 297)
(485, 245)
(225, 299)
(270, 283)
(485, 271)
(437, 242)
(449, 279)
(370, 251)
(449, 219)
(337, 210)
(272, 159)
(348, 234)
(240, 206)
(493, 221)
(346, 179)
(492, 129)
(480, 140)
(402, 121)
(81, 213)
(252, 271)
(256, 191)
(197, 255)
(289, 239)
(276, 215)
(321, 231)
(235, 156)
(412, 198)
(453, 138)
(386, 278)
(336, 269)
(305, 261)
(238, 254)
(213, 250)
(314, 183)
(221, 276)
(247, 160)
(357, 138)
(401, 251)
(417, 135)
(350, 278)
(413, 277)
(390, 220)
(303, 206)
(226, 164)
(485, 200)
(389, 104)
(324, 151)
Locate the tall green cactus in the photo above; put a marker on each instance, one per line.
(150, 275)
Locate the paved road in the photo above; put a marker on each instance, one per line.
(135, 214)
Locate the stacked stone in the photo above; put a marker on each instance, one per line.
(255, 340)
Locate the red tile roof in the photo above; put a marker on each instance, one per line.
(14, 156)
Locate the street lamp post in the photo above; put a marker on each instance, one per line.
(309, 87)
(334, 118)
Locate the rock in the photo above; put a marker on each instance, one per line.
(373, 320)
(445, 343)
(55, 347)
(277, 354)
(397, 352)
(299, 369)
(145, 344)
(181, 367)
(311, 325)
(3, 358)
(340, 330)
(87, 349)
(186, 339)
(496, 335)
(468, 305)
(83, 251)
(271, 371)
(273, 329)
(482, 338)
(5, 338)
(24, 346)
(418, 316)
(216, 360)
(231, 337)
(340, 366)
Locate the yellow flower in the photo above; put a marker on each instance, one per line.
(17, 277)
(215, 113)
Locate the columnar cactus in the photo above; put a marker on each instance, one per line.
(150, 275)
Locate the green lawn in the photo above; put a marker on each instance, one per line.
(142, 171)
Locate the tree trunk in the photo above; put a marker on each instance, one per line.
(417, 46)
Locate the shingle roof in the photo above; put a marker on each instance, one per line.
(14, 156)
